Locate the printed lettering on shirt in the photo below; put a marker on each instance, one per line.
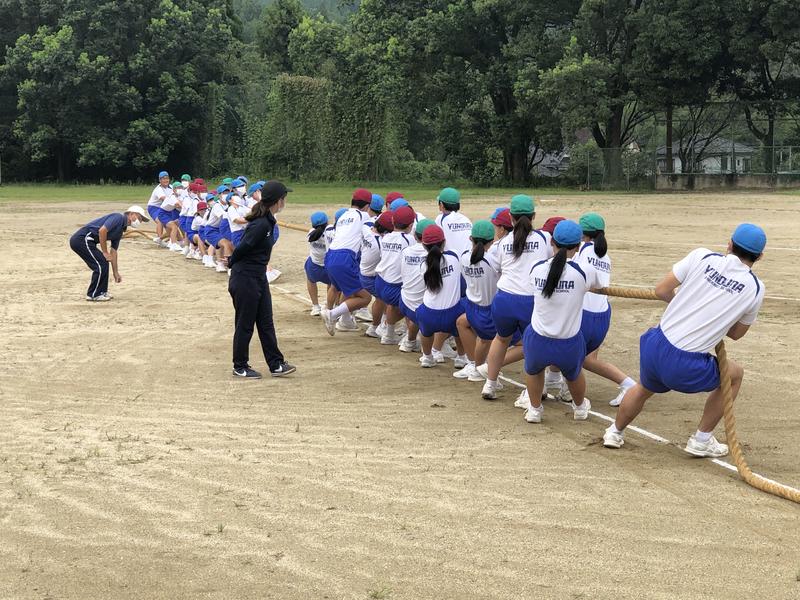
(716, 279)
(562, 287)
(459, 226)
(529, 247)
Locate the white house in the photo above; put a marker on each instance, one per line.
(718, 156)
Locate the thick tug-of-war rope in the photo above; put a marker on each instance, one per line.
(758, 482)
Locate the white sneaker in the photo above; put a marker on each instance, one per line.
(315, 310)
(157, 240)
(273, 275)
(612, 439)
(343, 325)
(185, 250)
(475, 376)
(221, 268)
(208, 262)
(710, 449)
(581, 413)
(460, 362)
(363, 314)
(448, 352)
(534, 414)
(489, 391)
(174, 247)
(327, 320)
(101, 298)
(409, 346)
(372, 332)
(198, 255)
(562, 393)
(464, 373)
(381, 330)
(618, 400)
(439, 356)
(483, 371)
(522, 401)
(390, 339)
(427, 361)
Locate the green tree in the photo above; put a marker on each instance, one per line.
(277, 22)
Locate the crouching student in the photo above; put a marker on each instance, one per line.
(315, 263)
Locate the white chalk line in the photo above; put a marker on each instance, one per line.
(643, 432)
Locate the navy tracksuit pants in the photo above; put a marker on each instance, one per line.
(84, 245)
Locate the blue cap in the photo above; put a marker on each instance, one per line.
(243, 179)
(237, 183)
(497, 211)
(338, 214)
(398, 203)
(568, 233)
(211, 196)
(255, 187)
(221, 189)
(750, 237)
(377, 203)
(318, 218)
(163, 174)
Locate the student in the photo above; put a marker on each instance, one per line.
(154, 204)
(596, 318)
(456, 227)
(400, 202)
(100, 232)
(481, 270)
(237, 213)
(370, 257)
(197, 226)
(168, 214)
(719, 296)
(341, 261)
(214, 237)
(188, 209)
(389, 279)
(441, 304)
(413, 290)
(315, 263)
(550, 225)
(512, 307)
(501, 219)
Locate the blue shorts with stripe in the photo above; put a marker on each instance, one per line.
(343, 271)
(511, 313)
(541, 351)
(432, 320)
(663, 367)
(316, 273)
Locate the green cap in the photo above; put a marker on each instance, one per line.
(591, 222)
(227, 181)
(449, 196)
(186, 177)
(522, 205)
(176, 184)
(423, 225)
(482, 230)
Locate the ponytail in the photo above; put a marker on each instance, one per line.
(314, 235)
(522, 229)
(478, 250)
(433, 271)
(554, 275)
(381, 229)
(600, 243)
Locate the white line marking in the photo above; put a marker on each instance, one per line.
(643, 432)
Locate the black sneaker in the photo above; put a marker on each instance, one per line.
(284, 369)
(247, 373)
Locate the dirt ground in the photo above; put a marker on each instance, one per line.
(133, 466)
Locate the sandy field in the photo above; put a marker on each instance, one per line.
(132, 465)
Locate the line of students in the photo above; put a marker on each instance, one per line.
(201, 223)
(511, 292)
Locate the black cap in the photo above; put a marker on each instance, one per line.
(273, 191)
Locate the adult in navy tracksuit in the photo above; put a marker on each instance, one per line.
(101, 232)
(248, 284)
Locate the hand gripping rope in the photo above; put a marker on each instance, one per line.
(758, 482)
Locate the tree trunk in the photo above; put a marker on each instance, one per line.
(612, 153)
(670, 164)
(61, 164)
(769, 144)
(516, 164)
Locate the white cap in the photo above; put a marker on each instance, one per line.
(139, 211)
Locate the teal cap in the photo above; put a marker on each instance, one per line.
(482, 230)
(522, 205)
(591, 222)
(449, 196)
(424, 224)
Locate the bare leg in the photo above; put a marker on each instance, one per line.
(413, 330)
(359, 300)
(578, 389)
(513, 354)
(632, 405)
(378, 308)
(467, 336)
(438, 341)
(712, 413)
(333, 293)
(602, 368)
(497, 354)
(393, 315)
(427, 345)
(313, 294)
(460, 347)
(535, 385)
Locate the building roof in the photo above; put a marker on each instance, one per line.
(716, 147)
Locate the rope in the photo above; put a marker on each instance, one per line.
(293, 226)
(735, 448)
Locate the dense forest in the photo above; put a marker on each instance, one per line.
(418, 90)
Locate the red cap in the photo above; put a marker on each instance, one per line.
(362, 195)
(201, 189)
(503, 218)
(392, 196)
(202, 205)
(199, 181)
(386, 221)
(550, 225)
(433, 234)
(193, 187)
(404, 216)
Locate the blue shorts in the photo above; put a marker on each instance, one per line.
(167, 216)
(213, 236)
(368, 283)
(432, 320)
(315, 273)
(594, 327)
(343, 271)
(153, 211)
(663, 367)
(182, 224)
(567, 354)
(480, 319)
(225, 229)
(511, 313)
(388, 292)
(236, 237)
(190, 234)
(409, 314)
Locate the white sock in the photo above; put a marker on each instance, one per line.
(339, 311)
(614, 429)
(463, 357)
(627, 383)
(315, 306)
(492, 382)
(703, 436)
(390, 329)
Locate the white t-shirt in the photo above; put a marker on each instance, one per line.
(198, 222)
(413, 283)
(169, 201)
(457, 230)
(450, 293)
(215, 216)
(158, 195)
(249, 202)
(348, 231)
(392, 246)
(317, 250)
(370, 250)
(515, 273)
(716, 293)
(559, 316)
(481, 277)
(328, 235)
(596, 303)
(188, 205)
(237, 212)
